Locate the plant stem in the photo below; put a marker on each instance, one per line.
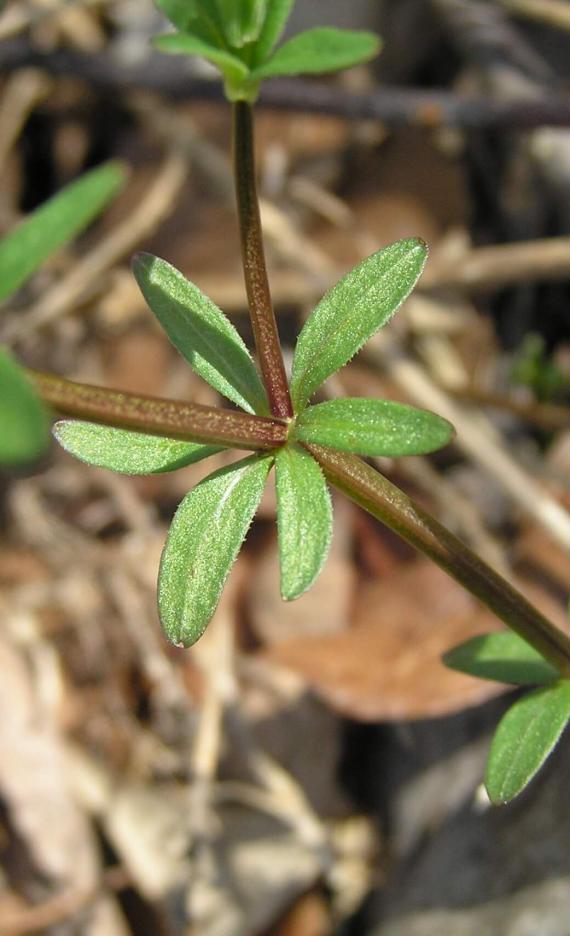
(368, 488)
(255, 272)
(174, 419)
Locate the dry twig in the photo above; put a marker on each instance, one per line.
(552, 12)
(482, 446)
(22, 92)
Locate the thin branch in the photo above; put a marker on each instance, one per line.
(255, 271)
(501, 265)
(387, 503)
(173, 419)
(16, 20)
(484, 36)
(480, 270)
(21, 94)
(479, 442)
(392, 106)
(552, 12)
(62, 907)
(549, 416)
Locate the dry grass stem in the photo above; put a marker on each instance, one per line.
(63, 906)
(22, 92)
(16, 20)
(553, 12)
(482, 446)
(503, 265)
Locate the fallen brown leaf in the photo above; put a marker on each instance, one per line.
(324, 609)
(388, 664)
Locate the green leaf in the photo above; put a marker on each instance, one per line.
(230, 14)
(525, 737)
(317, 51)
(179, 12)
(361, 303)
(55, 223)
(131, 453)
(24, 429)
(304, 519)
(201, 332)
(242, 20)
(204, 539)
(209, 25)
(504, 657)
(232, 68)
(373, 427)
(278, 12)
(253, 16)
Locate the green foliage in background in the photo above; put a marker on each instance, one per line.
(23, 419)
(533, 367)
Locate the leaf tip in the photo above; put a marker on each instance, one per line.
(291, 593)
(142, 260)
(120, 169)
(59, 430)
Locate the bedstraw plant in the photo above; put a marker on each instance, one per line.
(309, 446)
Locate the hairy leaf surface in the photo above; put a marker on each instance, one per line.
(319, 50)
(504, 657)
(201, 333)
(525, 737)
(351, 312)
(304, 519)
(373, 427)
(24, 431)
(55, 223)
(204, 539)
(127, 452)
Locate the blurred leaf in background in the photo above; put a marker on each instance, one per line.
(23, 418)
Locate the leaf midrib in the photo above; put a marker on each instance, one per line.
(334, 334)
(260, 404)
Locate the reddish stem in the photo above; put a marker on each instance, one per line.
(191, 422)
(255, 271)
(387, 503)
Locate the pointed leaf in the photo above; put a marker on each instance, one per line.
(373, 427)
(504, 657)
(131, 453)
(233, 69)
(525, 737)
(304, 518)
(319, 50)
(24, 430)
(55, 223)
(179, 12)
(204, 539)
(198, 17)
(278, 12)
(230, 13)
(253, 17)
(352, 311)
(242, 20)
(201, 332)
